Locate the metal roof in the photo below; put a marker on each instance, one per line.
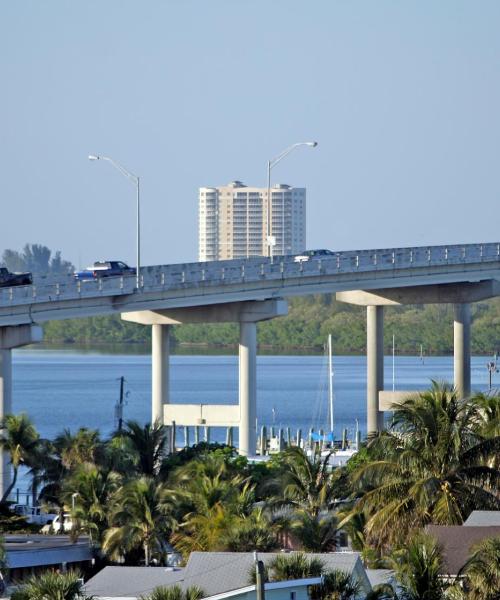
(483, 517)
(214, 572)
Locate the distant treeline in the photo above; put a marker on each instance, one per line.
(307, 325)
(37, 259)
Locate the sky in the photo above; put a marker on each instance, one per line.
(403, 98)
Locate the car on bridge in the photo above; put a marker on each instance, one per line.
(313, 254)
(8, 279)
(105, 268)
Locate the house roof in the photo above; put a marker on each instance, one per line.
(380, 576)
(214, 572)
(457, 542)
(483, 517)
(130, 582)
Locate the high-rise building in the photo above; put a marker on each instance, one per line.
(233, 221)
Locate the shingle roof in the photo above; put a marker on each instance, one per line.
(130, 582)
(483, 517)
(213, 572)
(457, 542)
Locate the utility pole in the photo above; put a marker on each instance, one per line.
(119, 406)
(492, 368)
(259, 579)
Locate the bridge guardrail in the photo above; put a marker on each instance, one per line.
(49, 289)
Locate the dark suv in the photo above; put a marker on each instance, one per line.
(8, 279)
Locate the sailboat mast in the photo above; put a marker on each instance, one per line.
(393, 362)
(330, 380)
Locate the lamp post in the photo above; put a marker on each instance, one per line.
(135, 179)
(270, 164)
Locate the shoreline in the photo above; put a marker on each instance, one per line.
(203, 348)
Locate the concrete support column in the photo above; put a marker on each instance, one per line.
(5, 409)
(160, 370)
(461, 349)
(375, 367)
(248, 388)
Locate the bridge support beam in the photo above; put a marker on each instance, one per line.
(160, 361)
(247, 314)
(461, 349)
(248, 388)
(11, 337)
(375, 367)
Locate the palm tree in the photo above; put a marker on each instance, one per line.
(435, 466)
(481, 572)
(141, 518)
(316, 533)
(20, 440)
(295, 565)
(90, 489)
(306, 483)
(489, 412)
(52, 586)
(84, 446)
(218, 510)
(306, 486)
(175, 592)
(418, 570)
(149, 444)
(337, 585)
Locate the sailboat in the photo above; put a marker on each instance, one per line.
(327, 440)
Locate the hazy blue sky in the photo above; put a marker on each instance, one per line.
(403, 98)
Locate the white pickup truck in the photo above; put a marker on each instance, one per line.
(33, 514)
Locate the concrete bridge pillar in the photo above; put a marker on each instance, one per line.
(248, 388)
(160, 360)
(247, 314)
(5, 409)
(375, 367)
(11, 337)
(461, 349)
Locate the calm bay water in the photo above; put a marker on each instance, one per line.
(71, 388)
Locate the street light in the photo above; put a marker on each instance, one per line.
(270, 164)
(135, 179)
(73, 498)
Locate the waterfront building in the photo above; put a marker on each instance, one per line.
(31, 554)
(233, 221)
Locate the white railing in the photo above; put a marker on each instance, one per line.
(195, 275)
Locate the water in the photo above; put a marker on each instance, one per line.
(72, 388)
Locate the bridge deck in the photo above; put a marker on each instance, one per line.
(195, 284)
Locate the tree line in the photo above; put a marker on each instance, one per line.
(37, 259)
(306, 327)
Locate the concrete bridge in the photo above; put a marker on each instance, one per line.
(252, 290)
